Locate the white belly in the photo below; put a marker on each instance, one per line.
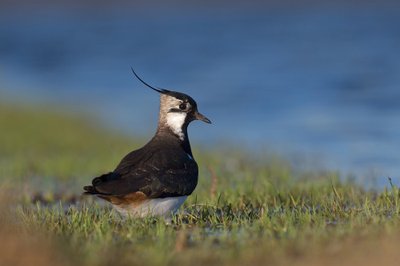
(152, 207)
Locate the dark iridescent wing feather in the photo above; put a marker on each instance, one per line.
(157, 171)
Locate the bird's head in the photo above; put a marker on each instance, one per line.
(177, 110)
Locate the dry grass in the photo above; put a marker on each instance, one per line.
(21, 247)
(366, 251)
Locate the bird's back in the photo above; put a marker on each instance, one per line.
(160, 169)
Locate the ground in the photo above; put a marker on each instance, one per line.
(245, 211)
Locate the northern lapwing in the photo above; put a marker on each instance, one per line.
(156, 179)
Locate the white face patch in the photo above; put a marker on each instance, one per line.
(175, 122)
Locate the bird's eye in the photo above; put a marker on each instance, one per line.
(182, 106)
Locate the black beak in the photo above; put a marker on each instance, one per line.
(201, 117)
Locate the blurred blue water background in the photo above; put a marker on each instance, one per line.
(319, 86)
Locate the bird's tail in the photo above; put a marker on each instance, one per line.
(90, 190)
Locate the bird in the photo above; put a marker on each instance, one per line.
(156, 179)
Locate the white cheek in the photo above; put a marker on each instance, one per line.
(175, 122)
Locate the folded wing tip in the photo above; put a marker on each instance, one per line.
(90, 190)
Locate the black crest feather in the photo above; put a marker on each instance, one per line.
(160, 90)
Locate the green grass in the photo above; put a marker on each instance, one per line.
(245, 211)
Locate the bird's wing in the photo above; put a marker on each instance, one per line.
(156, 174)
